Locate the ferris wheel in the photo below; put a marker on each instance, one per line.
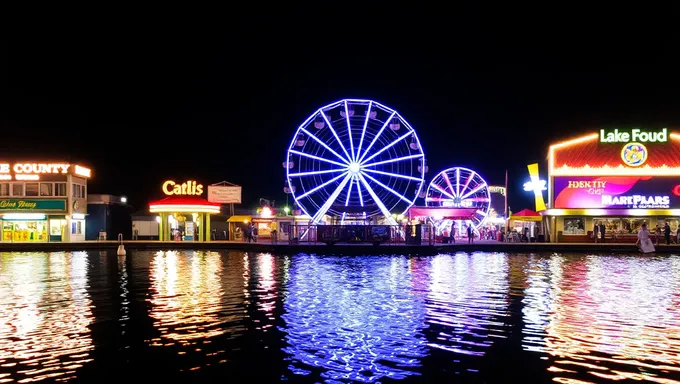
(460, 188)
(354, 159)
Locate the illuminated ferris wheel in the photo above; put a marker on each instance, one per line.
(460, 188)
(352, 159)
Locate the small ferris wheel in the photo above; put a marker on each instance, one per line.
(355, 159)
(460, 188)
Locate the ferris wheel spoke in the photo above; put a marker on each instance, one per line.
(390, 145)
(377, 135)
(322, 185)
(409, 157)
(467, 183)
(457, 181)
(443, 191)
(349, 131)
(335, 134)
(363, 131)
(314, 173)
(378, 202)
(395, 193)
(473, 191)
(448, 182)
(392, 175)
(331, 199)
(361, 196)
(316, 157)
(324, 145)
(349, 193)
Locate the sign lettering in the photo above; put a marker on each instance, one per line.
(32, 205)
(637, 201)
(189, 188)
(635, 135)
(32, 171)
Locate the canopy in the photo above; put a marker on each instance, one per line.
(239, 219)
(184, 204)
(526, 215)
(443, 212)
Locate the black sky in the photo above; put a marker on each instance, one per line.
(144, 106)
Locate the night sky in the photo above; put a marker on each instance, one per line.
(142, 107)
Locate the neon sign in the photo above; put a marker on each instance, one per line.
(637, 201)
(32, 171)
(189, 188)
(635, 135)
(537, 186)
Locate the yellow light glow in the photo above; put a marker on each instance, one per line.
(82, 171)
(190, 188)
(27, 177)
(165, 208)
(533, 173)
(620, 170)
(38, 168)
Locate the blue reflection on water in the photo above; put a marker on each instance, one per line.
(468, 301)
(353, 318)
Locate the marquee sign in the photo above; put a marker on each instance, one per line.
(188, 188)
(617, 192)
(33, 171)
(635, 135)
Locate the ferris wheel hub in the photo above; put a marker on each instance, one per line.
(354, 167)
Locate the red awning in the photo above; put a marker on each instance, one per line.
(525, 213)
(185, 200)
(445, 212)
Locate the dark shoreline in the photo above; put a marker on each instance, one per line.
(348, 249)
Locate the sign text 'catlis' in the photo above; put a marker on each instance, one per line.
(188, 188)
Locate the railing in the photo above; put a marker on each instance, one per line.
(420, 234)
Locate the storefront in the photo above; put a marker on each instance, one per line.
(43, 202)
(619, 178)
(184, 215)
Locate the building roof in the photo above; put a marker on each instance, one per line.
(188, 204)
(586, 156)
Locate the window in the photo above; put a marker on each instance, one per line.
(632, 225)
(77, 227)
(46, 189)
(32, 189)
(4, 189)
(60, 189)
(574, 226)
(78, 191)
(17, 189)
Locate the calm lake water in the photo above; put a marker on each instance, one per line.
(242, 317)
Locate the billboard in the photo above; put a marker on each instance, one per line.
(648, 192)
(224, 194)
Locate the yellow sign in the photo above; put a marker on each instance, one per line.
(189, 188)
(538, 193)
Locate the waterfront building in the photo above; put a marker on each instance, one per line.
(43, 201)
(619, 178)
(184, 214)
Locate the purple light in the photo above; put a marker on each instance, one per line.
(473, 193)
(313, 180)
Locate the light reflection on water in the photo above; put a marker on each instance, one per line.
(613, 318)
(353, 318)
(45, 311)
(467, 301)
(576, 318)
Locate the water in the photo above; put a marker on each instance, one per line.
(231, 316)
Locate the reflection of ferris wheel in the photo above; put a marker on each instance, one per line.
(460, 188)
(354, 159)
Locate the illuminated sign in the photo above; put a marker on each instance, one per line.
(617, 192)
(32, 171)
(634, 154)
(189, 188)
(537, 186)
(32, 205)
(635, 135)
(497, 189)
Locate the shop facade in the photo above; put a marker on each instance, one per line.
(183, 215)
(618, 178)
(43, 202)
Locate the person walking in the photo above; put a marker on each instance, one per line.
(667, 233)
(603, 231)
(470, 234)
